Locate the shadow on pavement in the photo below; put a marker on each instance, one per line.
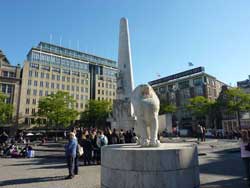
(233, 183)
(227, 163)
(31, 180)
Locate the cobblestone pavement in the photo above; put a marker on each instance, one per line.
(220, 167)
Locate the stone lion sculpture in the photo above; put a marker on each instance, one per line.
(146, 107)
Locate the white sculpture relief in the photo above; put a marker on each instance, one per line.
(146, 107)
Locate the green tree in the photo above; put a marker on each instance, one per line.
(58, 109)
(96, 113)
(199, 106)
(6, 110)
(167, 108)
(236, 101)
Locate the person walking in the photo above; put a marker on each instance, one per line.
(70, 149)
(199, 132)
(245, 153)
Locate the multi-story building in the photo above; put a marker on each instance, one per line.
(10, 83)
(245, 85)
(245, 117)
(178, 88)
(50, 68)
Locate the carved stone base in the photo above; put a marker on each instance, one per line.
(168, 166)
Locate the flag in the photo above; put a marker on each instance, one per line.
(190, 64)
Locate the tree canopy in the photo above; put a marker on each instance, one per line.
(235, 100)
(167, 108)
(5, 110)
(58, 109)
(96, 113)
(199, 106)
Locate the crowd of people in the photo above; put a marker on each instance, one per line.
(91, 141)
(11, 148)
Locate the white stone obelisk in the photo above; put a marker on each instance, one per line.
(125, 80)
(122, 117)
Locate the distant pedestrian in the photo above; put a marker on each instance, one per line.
(245, 153)
(71, 154)
(199, 132)
(204, 133)
(121, 137)
(101, 141)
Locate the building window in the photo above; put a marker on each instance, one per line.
(57, 86)
(33, 111)
(27, 101)
(184, 84)
(82, 89)
(86, 90)
(46, 93)
(77, 88)
(41, 83)
(198, 91)
(99, 91)
(58, 77)
(36, 74)
(28, 91)
(4, 87)
(52, 85)
(29, 82)
(81, 97)
(197, 81)
(63, 86)
(30, 73)
(42, 75)
(53, 77)
(68, 79)
(72, 88)
(47, 75)
(103, 92)
(77, 80)
(77, 97)
(47, 84)
(34, 92)
(41, 93)
(81, 105)
(27, 111)
(73, 80)
(5, 73)
(34, 101)
(82, 81)
(68, 87)
(9, 89)
(35, 83)
(162, 89)
(63, 78)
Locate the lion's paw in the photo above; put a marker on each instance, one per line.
(154, 143)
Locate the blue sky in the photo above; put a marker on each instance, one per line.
(165, 34)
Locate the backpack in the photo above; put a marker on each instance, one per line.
(102, 141)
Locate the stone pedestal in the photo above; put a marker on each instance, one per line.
(172, 165)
